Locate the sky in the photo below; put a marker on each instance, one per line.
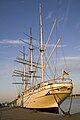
(17, 16)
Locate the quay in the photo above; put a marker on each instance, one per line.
(26, 114)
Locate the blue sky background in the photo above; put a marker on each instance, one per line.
(17, 16)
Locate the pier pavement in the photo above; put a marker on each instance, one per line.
(26, 114)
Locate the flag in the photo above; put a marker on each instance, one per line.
(65, 73)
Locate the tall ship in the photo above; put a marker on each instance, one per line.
(41, 92)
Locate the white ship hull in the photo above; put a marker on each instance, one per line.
(46, 97)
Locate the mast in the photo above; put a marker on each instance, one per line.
(41, 44)
(24, 69)
(20, 73)
(31, 60)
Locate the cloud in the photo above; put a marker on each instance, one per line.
(22, 1)
(61, 19)
(60, 2)
(58, 46)
(78, 25)
(49, 15)
(10, 42)
(78, 48)
(66, 17)
(73, 58)
(72, 63)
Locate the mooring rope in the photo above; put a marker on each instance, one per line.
(65, 113)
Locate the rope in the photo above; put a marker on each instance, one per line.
(70, 105)
(64, 56)
(65, 113)
(50, 69)
(36, 67)
(58, 105)
(27, 99)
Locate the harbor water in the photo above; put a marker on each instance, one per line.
(75, 105)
